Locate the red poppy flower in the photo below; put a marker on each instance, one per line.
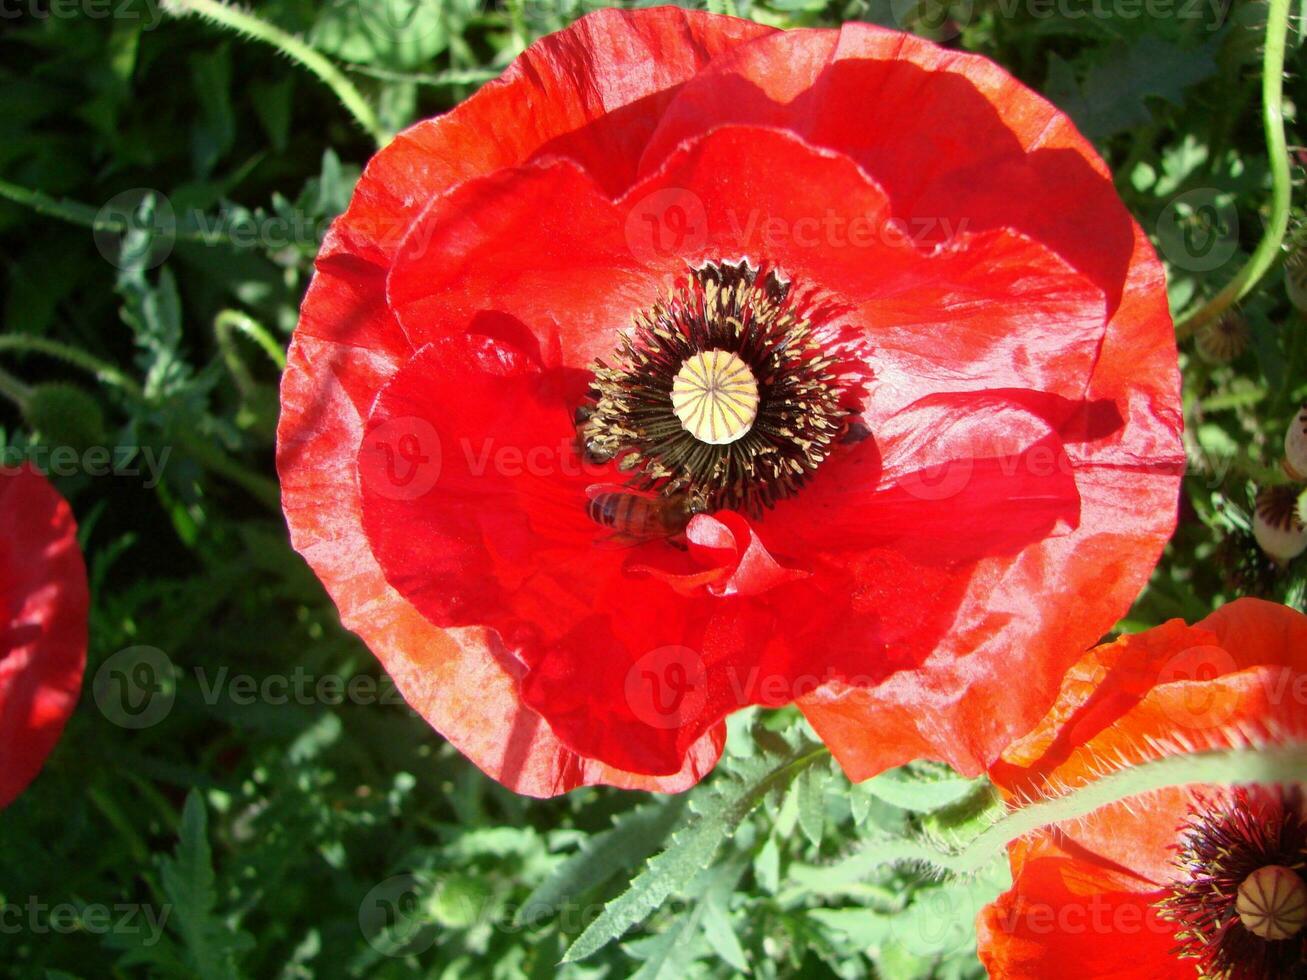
(694, 365)
(1192, 881)
(43, 610)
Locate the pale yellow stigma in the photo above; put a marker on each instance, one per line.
(715, 396)
(1272, 903)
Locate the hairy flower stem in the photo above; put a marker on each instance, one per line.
(1272, 764)
(1277, 151)
(295, 49)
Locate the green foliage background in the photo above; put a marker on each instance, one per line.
(274, 837)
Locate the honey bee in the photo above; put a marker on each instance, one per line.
(589, 447)
(638, 516)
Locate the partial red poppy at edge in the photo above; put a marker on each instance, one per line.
(43, 624)
(1117, 892)
(980, 476)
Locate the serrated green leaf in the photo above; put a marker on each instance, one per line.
(810, 788)
(189, 884)
(719, 808)
(716, 918)
(1113, 93)
(634, 835)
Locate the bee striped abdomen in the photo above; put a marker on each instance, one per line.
(627, 513)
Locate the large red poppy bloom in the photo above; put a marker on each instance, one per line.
(895, 421)
(43, 610)
(1174, 884)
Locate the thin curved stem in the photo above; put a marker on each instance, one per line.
(1277, 151)
(260, 30)
(101, 370)
(14, 390)
(229, 322)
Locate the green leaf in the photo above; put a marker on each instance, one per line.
(211, 944)
(922, 790)
(860, 926)
(719, 808)
(940, 921)
(1113, 94)
(810, 788)
(716, 918)
(668, 955)
(634, 835)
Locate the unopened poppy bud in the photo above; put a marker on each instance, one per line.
(1295, 447)
(1224, 339)
(460, 900)
(64, 415)
(1276, 526)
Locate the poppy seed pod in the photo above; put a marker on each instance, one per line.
(1295, 447)
(1224, 339)
(1276, 525)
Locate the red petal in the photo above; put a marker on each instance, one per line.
(1059, 921)
(1235, 677)
(43, 615)
(347, 345)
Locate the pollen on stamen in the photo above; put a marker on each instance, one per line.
(734, 387)
(1238, 900)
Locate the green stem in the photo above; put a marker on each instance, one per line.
(1277, 150)
(469, 76)
(101, 370)
(291, 46)
(1269, 765)
(14, 390)
(77, 213)
(215, 460)
(228, 322)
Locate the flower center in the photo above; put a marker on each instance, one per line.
(730, 390)
(1272, 903)
(1240, 902)
(716, 397)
